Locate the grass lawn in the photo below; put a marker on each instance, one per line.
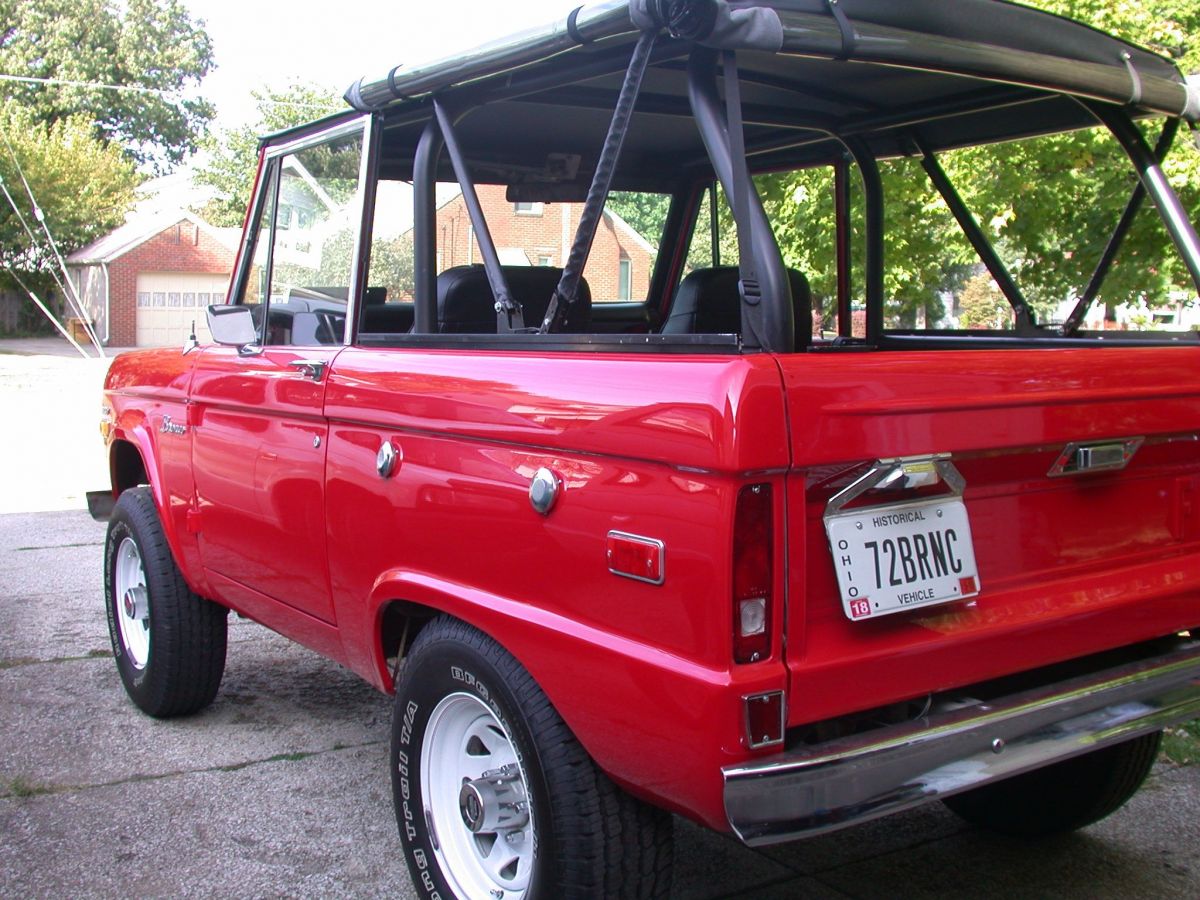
(1181, 744)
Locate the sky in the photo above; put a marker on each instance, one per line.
(259, 43)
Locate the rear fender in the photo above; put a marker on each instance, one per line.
(662, 701)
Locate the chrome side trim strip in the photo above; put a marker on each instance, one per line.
(844, 782)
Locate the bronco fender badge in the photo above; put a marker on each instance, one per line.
(169, 427)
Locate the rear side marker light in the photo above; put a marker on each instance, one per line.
(764, 719)
(753, 538)
(639, 558)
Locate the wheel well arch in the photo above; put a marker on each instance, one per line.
(400, 621)
(127, 469)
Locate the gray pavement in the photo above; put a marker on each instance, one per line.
(51, 453)
(280, 788)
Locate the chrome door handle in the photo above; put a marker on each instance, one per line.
(313, 368)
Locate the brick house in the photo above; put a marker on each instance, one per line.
(540, 234)
(147, 282)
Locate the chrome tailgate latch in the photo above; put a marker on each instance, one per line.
(1095, 456)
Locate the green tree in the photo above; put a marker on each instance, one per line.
(1049, 204)
(135, 44)
(83, 187)
(983, 306)
(1053, 202)
(233, 153)
(645, 213)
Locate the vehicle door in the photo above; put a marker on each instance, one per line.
(258, 411)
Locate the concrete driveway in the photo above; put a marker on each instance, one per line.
(280, 789)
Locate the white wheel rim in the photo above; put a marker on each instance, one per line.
(132, 607)
(464, 741)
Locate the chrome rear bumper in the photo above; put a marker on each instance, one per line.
(821, 788)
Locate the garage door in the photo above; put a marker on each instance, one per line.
(169, 302)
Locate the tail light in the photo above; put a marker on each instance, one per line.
(753, 534)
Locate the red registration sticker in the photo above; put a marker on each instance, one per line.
(860, 609)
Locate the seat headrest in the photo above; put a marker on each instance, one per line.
(466, 305)
(707, 301)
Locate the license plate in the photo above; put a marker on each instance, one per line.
(892, 558)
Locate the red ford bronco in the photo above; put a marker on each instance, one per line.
(576, 391)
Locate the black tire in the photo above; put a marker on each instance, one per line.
(174, 666)
(585, 838)
(1064, 796)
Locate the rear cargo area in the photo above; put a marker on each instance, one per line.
(1072, 560)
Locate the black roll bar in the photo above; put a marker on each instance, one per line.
(982, 246)
(429, 148)
(1113, 247)
(768, 324)
(868, 170)
(509, 317)
(841, 215)
(714, 227)
(559, 310)
(1174, 216)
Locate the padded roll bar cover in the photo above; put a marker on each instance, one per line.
(354, 97)
(755, 28)
(1191, 112)
(466, 305)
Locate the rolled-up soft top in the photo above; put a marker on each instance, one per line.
(991, 40)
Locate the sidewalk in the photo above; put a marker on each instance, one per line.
(51, 346)
(51, 400)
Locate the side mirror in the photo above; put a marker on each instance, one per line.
(232, 326)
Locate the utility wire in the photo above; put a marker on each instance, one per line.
(33, 238)
(53, 274)
(64, 82)
(170, 96)
(68, 289)
(49, 315)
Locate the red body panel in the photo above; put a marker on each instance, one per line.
(299, 530)
(259, 464)
(143, 389)
(637, 670)
(1069, 566)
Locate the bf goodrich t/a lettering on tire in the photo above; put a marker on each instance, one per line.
(493, 792)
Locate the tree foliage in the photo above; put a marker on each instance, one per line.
(983, 306)
(233, 153)
(83, 187)
(151, 44)
(1048, 204)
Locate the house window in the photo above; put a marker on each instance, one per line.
(625, 279)
(522, 208)
(545, 261)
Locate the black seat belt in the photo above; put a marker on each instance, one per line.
(740, 186)
(559, 310)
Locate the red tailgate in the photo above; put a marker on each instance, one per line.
(1069, 564)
